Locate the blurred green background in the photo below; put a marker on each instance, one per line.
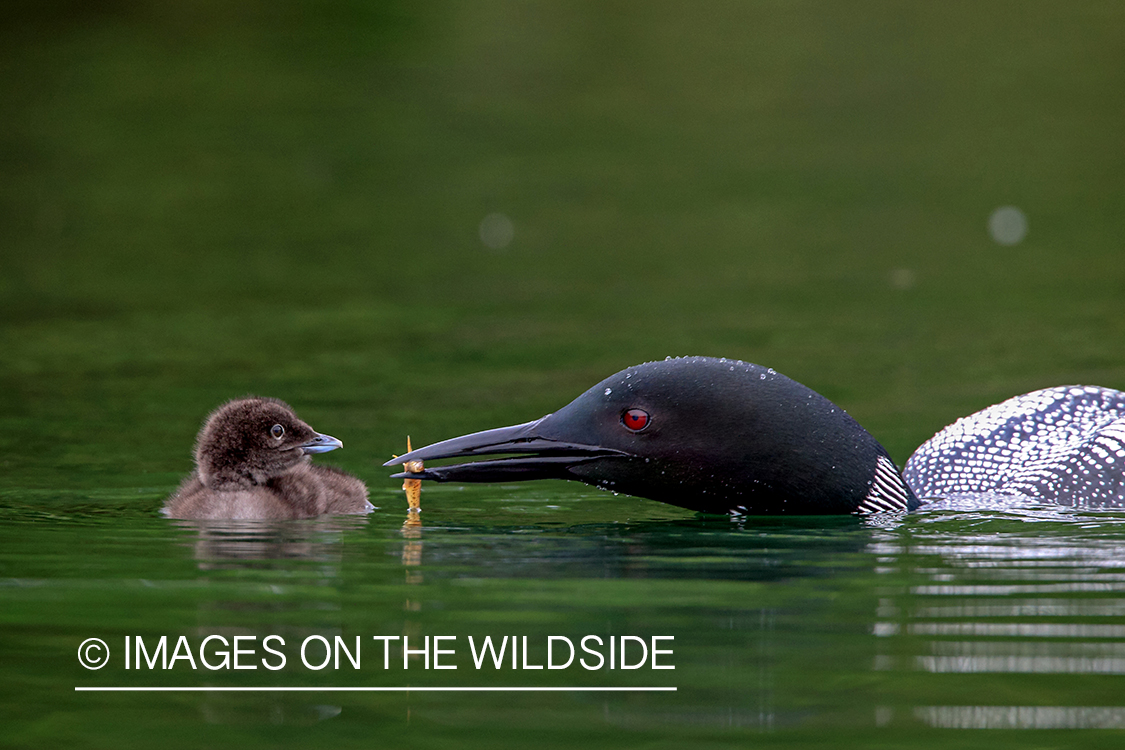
(203, 199)
(430, 218)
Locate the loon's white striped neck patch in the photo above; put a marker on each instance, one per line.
(887, 490)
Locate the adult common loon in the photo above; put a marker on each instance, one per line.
(724, 436)
(252, 462)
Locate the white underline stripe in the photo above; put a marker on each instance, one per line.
(373, 689)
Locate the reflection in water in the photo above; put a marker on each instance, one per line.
(412, 549)
(1006, 599)
(768, 610)
(242, 544)
(1022, 717)
(270, 559)
(412, 560)
(1019, 629)
(940, 618)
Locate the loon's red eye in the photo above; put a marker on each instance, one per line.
(635, 419)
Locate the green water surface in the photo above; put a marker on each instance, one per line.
(202, 200)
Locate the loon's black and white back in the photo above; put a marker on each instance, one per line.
(1063, 445)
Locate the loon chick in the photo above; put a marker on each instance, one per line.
(711, 435)
(1065, 445)
(252, 462)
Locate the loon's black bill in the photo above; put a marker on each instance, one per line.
(321, 444)
(543, 458)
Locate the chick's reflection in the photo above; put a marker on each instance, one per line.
(268, 577)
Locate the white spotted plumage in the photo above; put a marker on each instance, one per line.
(1064, 444)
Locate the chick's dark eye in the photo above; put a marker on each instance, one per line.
(635, 419)
(277, 431)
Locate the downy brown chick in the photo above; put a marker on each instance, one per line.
(252, 462)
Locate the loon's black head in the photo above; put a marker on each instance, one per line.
(246, 442)
(712, 435)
